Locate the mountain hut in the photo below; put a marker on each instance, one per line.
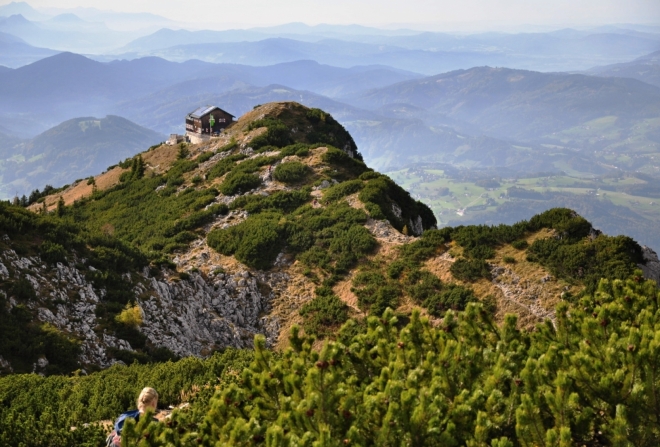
(207, 121)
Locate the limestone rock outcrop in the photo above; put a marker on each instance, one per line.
(651, 268)
(192, 316)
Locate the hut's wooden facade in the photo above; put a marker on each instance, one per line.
(208, 120)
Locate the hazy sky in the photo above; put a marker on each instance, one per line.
(424, 13)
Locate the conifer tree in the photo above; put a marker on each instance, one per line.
(183, 152)
(137, 168)
(60, 207)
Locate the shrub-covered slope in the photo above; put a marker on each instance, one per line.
(117, 266)
(183, 250)
(277, 226)
(589, 379)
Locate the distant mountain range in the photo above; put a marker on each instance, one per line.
(645, 68)
(15, 52)
(479, 117)
(339, 53)
(24, 9)
(119, 21)
(109, 35)
(517, 104)
(429, 53)
(66, 32)
(72, 150)
(45, 93)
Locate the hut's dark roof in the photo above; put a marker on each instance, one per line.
(204, 110)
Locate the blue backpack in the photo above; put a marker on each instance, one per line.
(114, 438)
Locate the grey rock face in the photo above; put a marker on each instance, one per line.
(4, 364)
(324, 185)
(195, 316)
(417, 225)
(189, 317)
(651, 269)
(396, 209)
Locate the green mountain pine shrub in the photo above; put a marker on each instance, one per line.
(286, 201)
(587, 380)
(346, 168)
(324, 314)
(381, 192)
(40, 411)
(299, 149)
(470, 270)
(256, 241)
(374, 292)
(341, 190)
(290, 172)
(224, 165)
(239, 183)
(588, 259)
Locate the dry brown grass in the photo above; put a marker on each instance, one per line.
(289, 299)
(343, 291)
(157, 160)
(161, 158)
(315, 158)
(270, 109)
(80, 190)
(354, 202)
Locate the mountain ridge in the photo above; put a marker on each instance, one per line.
(270, 227)
(645, 69)
(489, 80)
(276, 236)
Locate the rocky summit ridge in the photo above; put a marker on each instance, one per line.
(189, 249)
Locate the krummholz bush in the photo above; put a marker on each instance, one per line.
(590, 377)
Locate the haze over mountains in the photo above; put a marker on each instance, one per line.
(110, 35)
(582, 105)
(75, 149)
(431, 116)
(429, 53)
(645, 68)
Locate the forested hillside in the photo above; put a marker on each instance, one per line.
(369, 325)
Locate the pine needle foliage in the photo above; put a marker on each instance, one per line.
(290, 172)
(41, 411)
(589, 379)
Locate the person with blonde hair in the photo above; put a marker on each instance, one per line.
(147, 400)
